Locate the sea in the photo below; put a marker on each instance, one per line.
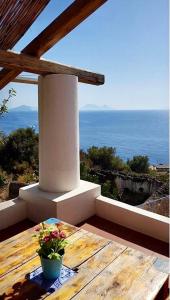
(131, 132)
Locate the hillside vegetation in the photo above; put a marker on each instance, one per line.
(19, 162)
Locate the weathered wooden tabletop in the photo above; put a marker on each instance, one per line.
(106, 270)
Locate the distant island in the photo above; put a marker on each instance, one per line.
(23, 108)
(94, 107)
(87, 107)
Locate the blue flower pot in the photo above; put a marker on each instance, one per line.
(51, 267)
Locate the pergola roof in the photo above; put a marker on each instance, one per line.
(16, 16)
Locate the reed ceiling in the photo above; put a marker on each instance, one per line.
(16, 16)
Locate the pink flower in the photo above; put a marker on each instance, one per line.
(54, 234)
(46, 239)
(62, 235)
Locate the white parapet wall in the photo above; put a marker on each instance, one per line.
(78, 205)
(133, 217)
(12, 212)
(72, 207)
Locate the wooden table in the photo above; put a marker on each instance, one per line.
(106, 270)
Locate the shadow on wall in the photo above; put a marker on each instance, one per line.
(134, 198)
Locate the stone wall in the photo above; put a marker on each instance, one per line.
(133, 183)
(137, 185)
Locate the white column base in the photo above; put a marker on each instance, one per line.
(72, 207)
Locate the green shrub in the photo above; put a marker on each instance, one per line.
(101, 157)
(119, 165)
(139, 164)
(19, 148)
(108, 189)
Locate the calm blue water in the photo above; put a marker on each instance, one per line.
(131, 132)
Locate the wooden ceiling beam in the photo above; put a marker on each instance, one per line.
(25, 79)
(77, 12)
(27, 63)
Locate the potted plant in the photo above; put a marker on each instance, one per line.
(52, 243)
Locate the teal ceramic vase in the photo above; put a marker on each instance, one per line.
(51, 267)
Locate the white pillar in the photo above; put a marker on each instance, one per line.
(58, 133)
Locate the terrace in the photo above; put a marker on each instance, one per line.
(60, 193)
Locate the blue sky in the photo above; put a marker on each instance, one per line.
(126, 40)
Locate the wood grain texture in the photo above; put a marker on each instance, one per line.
(27, 63)
(23, 247)
(78, 11)
(26, 80)
(148, 285)
(106, 270)
(27, 234)
(15, 19)
(6, 76)
(14, 283)
(88, 270)
(70, 18)
(80, 250)
(15, 286)
(18, 237)
(20, 255)
(117, 280)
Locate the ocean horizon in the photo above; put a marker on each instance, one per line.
(131, 132)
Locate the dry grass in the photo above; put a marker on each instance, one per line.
(4, 193)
